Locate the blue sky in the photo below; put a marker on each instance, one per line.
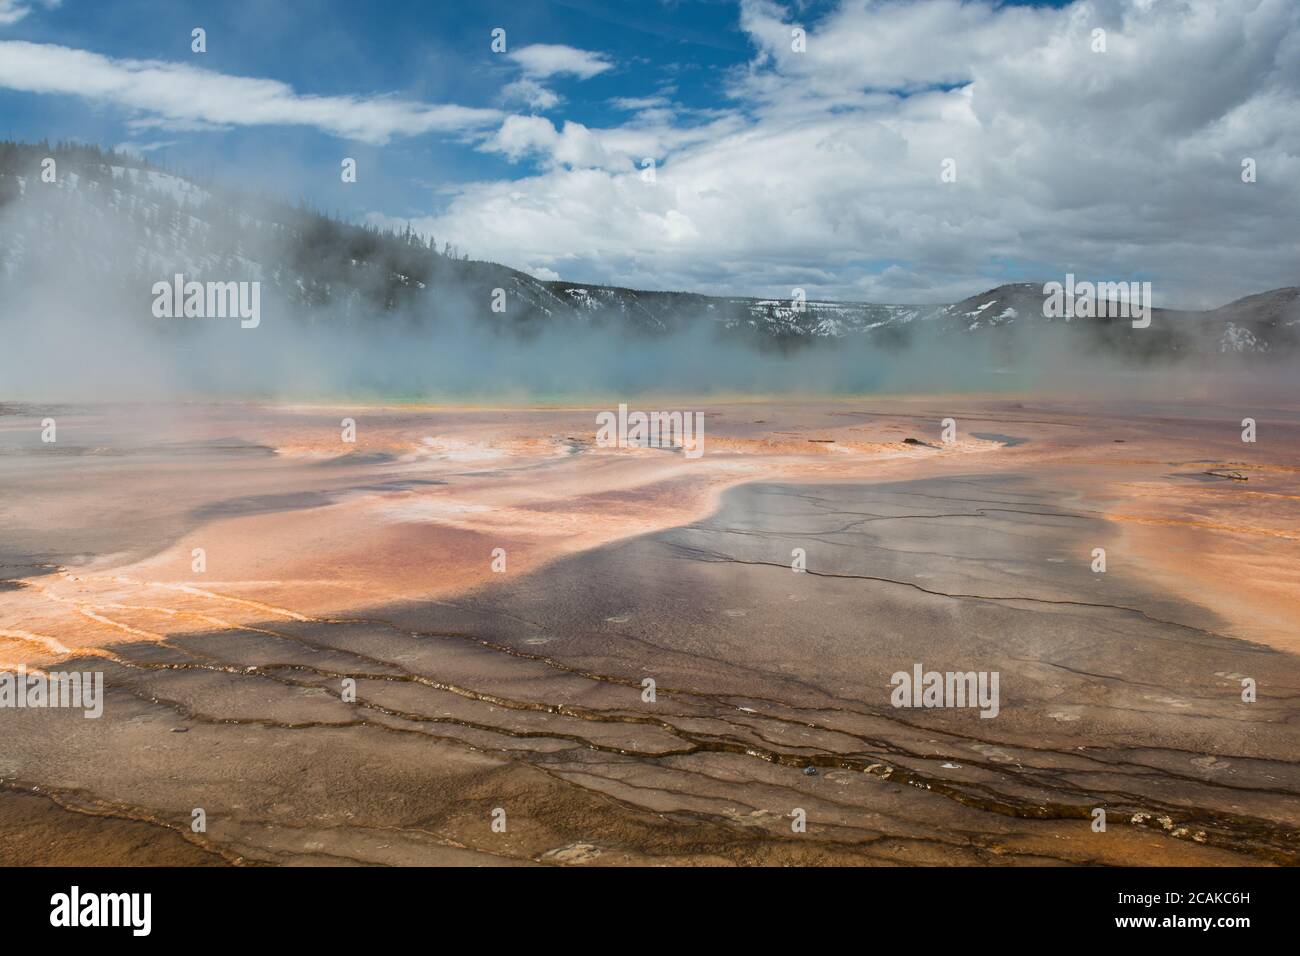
(436, 52)
(775, 167)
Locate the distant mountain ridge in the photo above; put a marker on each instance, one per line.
(117, 223)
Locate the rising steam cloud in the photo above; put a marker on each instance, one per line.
(80, 263)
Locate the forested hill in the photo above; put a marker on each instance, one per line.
(114, 225)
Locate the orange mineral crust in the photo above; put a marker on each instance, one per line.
(493, 587)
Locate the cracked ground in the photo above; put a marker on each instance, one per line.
(472, 694)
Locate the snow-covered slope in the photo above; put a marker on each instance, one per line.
(112, 223)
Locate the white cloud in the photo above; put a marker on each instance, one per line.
(181, 96)
(140, 150)
(573, 145)
(889, 45)
(619, 149)
(544, 60)
(11, 11)
(826, 171)
(636, 104)
(531, 94)
(541, 60)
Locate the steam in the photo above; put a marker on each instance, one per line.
(77, 324)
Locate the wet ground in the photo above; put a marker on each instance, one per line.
(399, 729)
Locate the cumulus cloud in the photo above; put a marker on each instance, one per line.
(824, 169)
(180, 96)
(622, 148)
(885, 45)
(542, 60)
(11, 11)
(531, 94)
